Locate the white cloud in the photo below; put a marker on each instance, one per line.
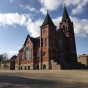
(80, 7)
(33, 27)
(77, 10)
(57, 21)
(11, 1)
(13, 18)
(28, 7)
(51, 5)
(43, 10)
(22, 20)
(80, 26)
(11, 53)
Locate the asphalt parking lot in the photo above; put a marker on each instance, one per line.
(44, 79)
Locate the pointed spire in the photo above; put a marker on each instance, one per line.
(65, 15)
(64, 5)
(47, 12)
(48, 20)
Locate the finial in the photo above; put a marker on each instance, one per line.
(64, 5)
(47, 11)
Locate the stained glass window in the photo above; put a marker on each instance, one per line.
(60, 44)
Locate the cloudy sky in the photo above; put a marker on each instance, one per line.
(21, 17)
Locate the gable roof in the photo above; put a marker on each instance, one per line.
(7, 61)
(65, 15)
(48, 20)
(13, 57)
(35, 41)
(21, 49)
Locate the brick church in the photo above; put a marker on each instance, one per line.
(53, 49)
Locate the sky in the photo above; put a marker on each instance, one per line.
(18, 18)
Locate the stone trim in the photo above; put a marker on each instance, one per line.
(35, 66)
(23, 66)
(16, 67)
(47, 65)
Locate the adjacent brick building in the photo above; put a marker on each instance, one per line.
(83, 59)
(53, 49)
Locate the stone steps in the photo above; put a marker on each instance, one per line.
(54, 65)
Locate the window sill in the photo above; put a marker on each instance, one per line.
(28, 59)
(44, 56)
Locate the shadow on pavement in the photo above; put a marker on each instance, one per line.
(13, 81)
(21, 82)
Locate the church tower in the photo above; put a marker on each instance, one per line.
(66, 24)
(47, 41)
(68, 29)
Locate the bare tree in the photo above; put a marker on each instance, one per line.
(5, 56)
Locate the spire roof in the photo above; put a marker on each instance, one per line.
(48, 20)
(65, 15)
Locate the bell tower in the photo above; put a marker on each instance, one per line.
(47, 39)
(68, 29)
(66, 24)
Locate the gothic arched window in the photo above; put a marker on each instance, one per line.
(45, 41)
(28, 53)
(60, 44)
(63, 28)
(38, 54)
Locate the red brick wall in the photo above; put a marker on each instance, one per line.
(50, 33)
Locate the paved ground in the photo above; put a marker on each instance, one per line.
(44, 79)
